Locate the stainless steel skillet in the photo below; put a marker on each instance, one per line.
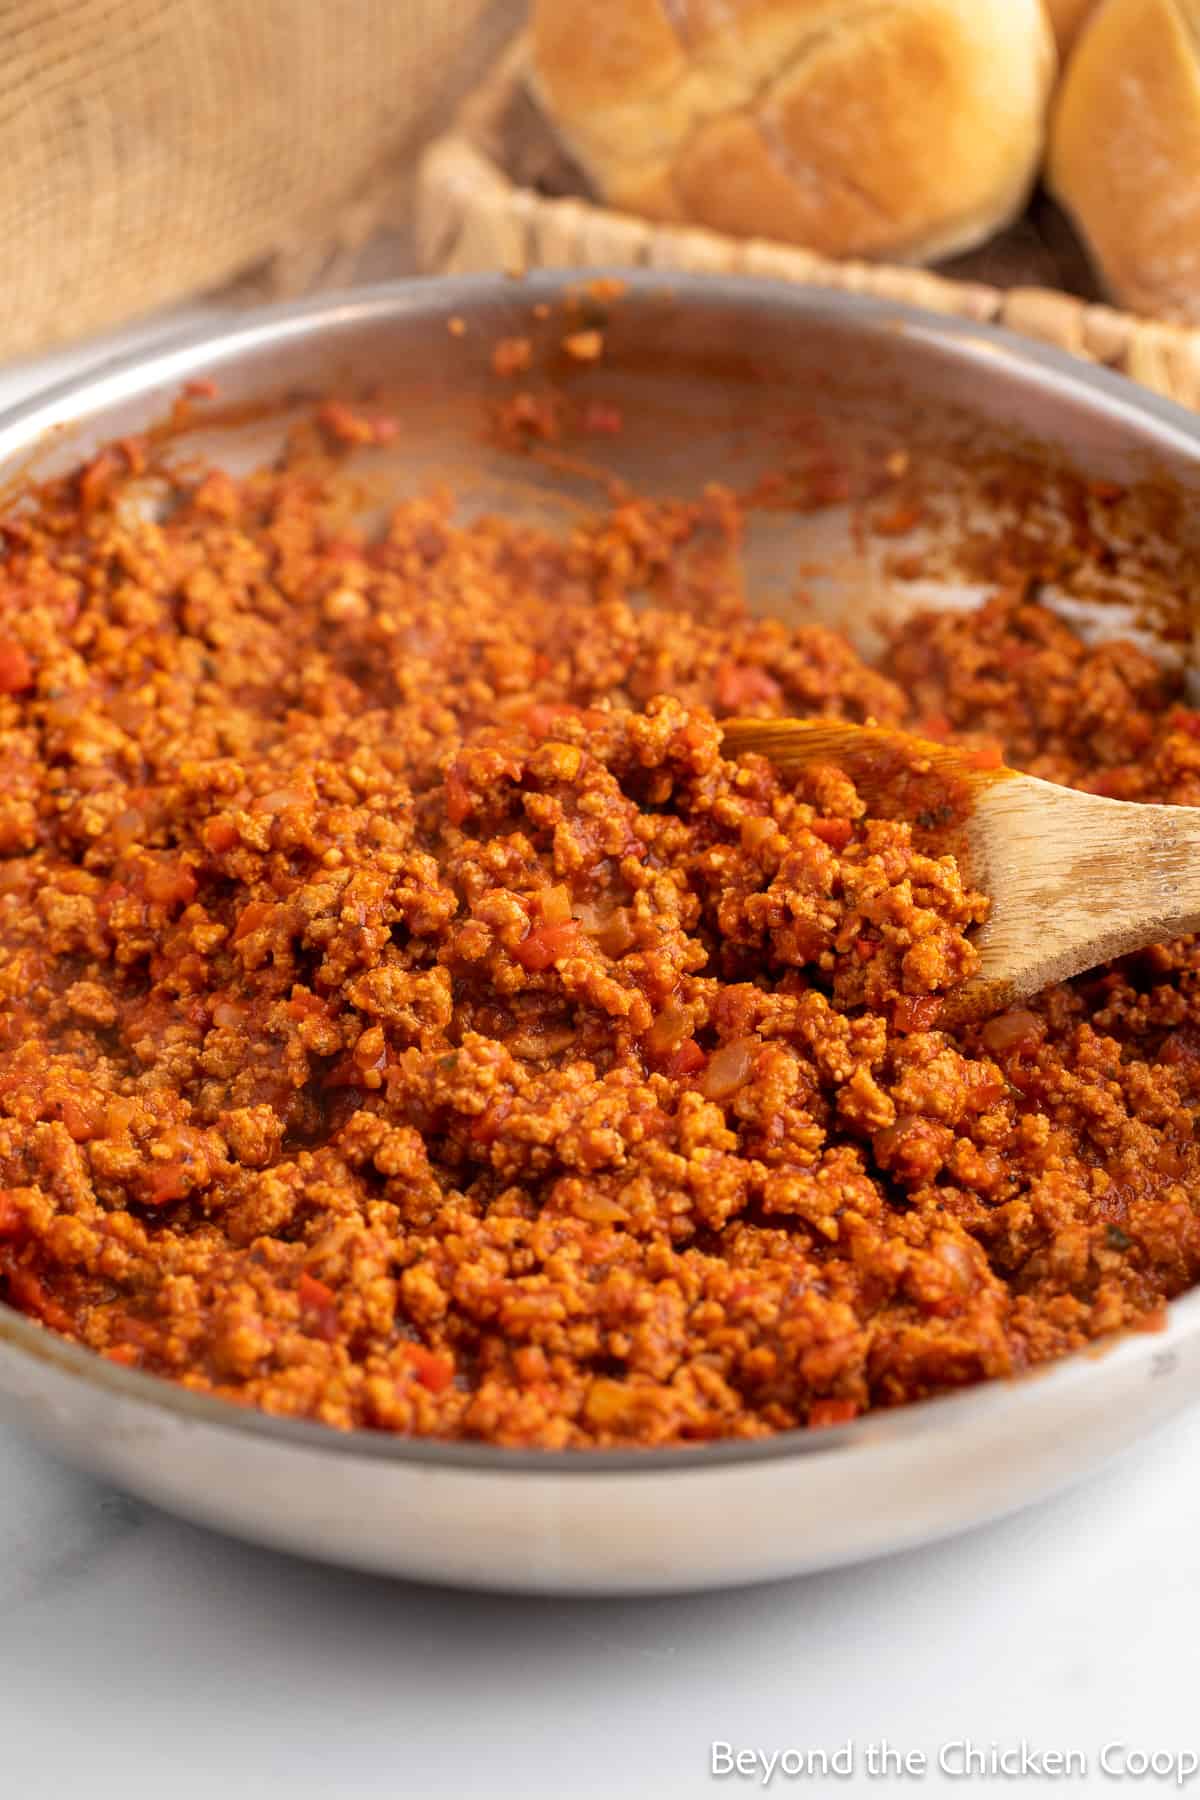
(711, 379)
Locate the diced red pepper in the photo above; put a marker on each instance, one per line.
(78, 1120)
(834, 832)
(29, 1294)
(16, 670)
(686, 1060)
(916, 1012)
(541, 717)
(165, 1182)
(304, 1005)
(344, 550)
(220, 836)
(824, 1413)
(737, 687)
(252, 916)
(546, 943)
(433, 1368)
(318, 1302)
(544, 716)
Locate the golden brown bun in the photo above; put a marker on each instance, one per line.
(1067, 16)
(907, 129)
(1125, 152)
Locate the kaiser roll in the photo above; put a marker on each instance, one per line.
(1125, 151)
(903, 129)
(1067, 16)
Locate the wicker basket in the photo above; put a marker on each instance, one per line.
(498, 193)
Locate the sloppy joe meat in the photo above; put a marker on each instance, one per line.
(409, 1019)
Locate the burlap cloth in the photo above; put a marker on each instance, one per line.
(151, 149)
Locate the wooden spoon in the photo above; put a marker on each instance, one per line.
(1074, 879)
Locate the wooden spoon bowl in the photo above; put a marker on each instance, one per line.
(1074, 879)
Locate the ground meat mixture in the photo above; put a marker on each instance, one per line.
(410, 1019)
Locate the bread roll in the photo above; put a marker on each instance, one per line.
(1067, 16)
(904, 129)
(1125, 152)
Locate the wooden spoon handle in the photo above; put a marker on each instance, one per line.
(799, 743)
(1084, 879)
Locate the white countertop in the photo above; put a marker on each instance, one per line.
(144, 1657)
